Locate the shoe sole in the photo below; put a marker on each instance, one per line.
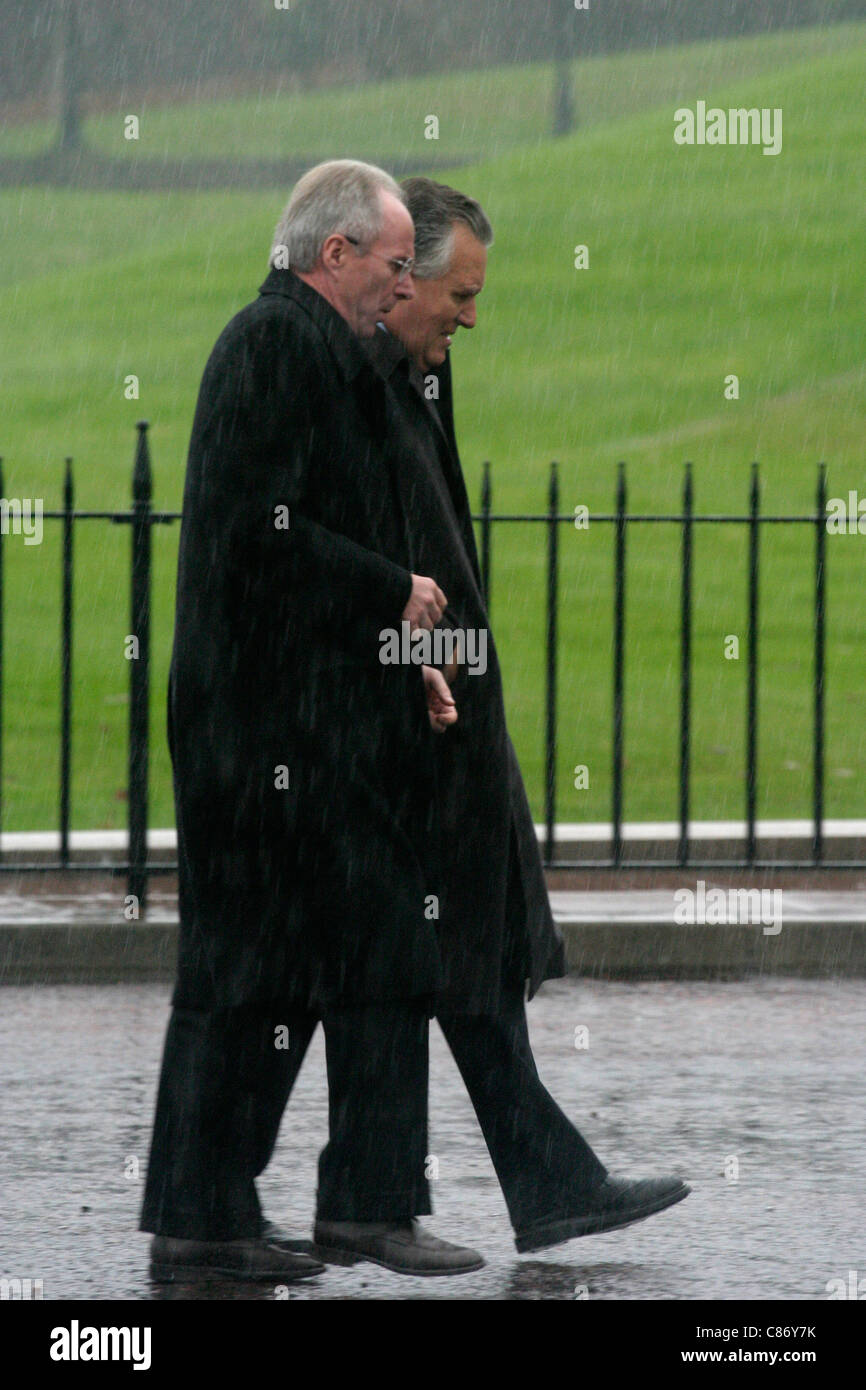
(337, 1256)
(557, 1232)
(169, 1274)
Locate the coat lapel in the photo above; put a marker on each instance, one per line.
(450, 459)
(451, 471)
(389, 357)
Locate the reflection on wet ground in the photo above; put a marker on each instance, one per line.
(750, 1090)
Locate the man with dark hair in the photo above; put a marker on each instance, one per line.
(495, 929)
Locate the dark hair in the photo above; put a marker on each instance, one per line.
(435, 208)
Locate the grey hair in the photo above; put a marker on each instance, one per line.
(435, 209)
(342, 195)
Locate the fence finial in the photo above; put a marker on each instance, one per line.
(142, 482)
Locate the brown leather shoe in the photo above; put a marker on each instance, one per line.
(402, 1246)
(275, 1235)
(254, 1258)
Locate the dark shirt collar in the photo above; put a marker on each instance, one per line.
(345, 345)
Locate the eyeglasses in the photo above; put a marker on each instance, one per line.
(401, 268)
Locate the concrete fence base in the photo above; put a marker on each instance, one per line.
(58, 927)
(616, 947)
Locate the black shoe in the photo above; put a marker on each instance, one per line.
(253, 1258)
(615, 1202)
(402, 1246)
(275, 1235)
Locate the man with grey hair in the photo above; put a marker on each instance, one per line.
(302, 802)
(496, 931)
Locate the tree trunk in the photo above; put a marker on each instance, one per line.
(563, 104)
(564, 116)
(68, 76)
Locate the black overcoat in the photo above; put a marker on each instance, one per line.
(302, 765)
(489, 876)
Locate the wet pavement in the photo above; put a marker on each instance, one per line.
(753, 1091)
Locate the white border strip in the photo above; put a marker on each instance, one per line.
(569, 832)
(582, 831)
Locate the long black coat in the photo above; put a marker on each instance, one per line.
(489, 877)
(315, 890)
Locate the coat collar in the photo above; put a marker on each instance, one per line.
(388, 353)
(344, 344)
(391, 358)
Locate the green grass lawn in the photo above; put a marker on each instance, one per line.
(703, 262)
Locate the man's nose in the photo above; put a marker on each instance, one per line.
(468, 317)
(405, 288)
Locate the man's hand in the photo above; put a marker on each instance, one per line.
(441, 709)
(426, 604)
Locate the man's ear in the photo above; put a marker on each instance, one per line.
(335, 250)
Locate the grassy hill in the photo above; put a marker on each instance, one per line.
(703, 262)
(481, 114)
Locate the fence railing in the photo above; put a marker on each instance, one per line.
(137, 868)
(142, 517)
(620, 519)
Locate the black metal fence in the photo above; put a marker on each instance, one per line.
(140, 519)
(620, 519)
(137, 868)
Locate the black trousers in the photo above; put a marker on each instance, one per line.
(224, 1085)
(544, 1166)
